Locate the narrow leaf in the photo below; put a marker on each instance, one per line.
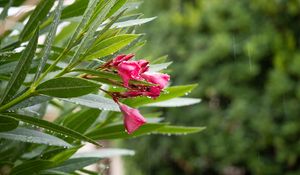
(129, 23)
(89, 38)
(31, 101)
(118, 131)
(31, 167)
(21, 70)
(85, 19)
(66, 87)
(178, 130)
(49, 40)
(75, 164)
(7, 124)
(169, 93)
(175, 102)
(159, 67)
(64, 155)
(50, 126)
(39, 13)
(82, 120)
(110, 46)
(33, 136)
(4, 12)
(117, 6)
(75, 9)
(94, 101)
(105, 153)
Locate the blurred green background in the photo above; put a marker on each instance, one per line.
(245, 56)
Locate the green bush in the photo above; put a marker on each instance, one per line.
(78, 59)
(245, 55)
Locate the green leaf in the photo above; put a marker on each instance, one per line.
(105, 153)
(53, 172)
(31, 167)
(160, 60)
(95, 101)
(117, 6)
(75, 9)
(21, 70)
(159, 67)
(85, 19)
(64, 155)
(66, 87)
(169, 93)
(82, 120)
(50, 126)
(110, 46)
(8, 68)
(7, 124)
(89, 38)
(178, 130)
(39, 13)
(49, 40)
(175, 102)
(130, 23)
(31, 101)
(15, 2)
(74, 164)
(33, 136)
(118, 131)
(4, 12)
(64, 34)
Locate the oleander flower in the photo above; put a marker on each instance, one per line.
(152, 91)
(144, 64)
(160, 79)
(132, 118)
(129, 70)
(120, 58)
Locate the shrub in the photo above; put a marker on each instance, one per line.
(84, 70)
(245, 56)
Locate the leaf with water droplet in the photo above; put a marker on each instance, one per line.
(175, 102)
(33, 136)
(174, 91)
(94, 101)
(178, 130)
(50, 126)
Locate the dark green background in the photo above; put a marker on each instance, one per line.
(245, 56)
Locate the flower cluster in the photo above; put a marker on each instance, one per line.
(135, 70)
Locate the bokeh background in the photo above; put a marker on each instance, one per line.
(245, 56)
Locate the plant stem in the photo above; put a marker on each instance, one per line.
(17, 100)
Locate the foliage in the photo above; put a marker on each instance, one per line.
(64, 72)
(245, 56)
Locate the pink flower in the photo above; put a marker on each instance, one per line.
(153, 92)
(144, 66)
(132, 118)
(129, 70)
(132, 94)
(157, 78)
(120, 58)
